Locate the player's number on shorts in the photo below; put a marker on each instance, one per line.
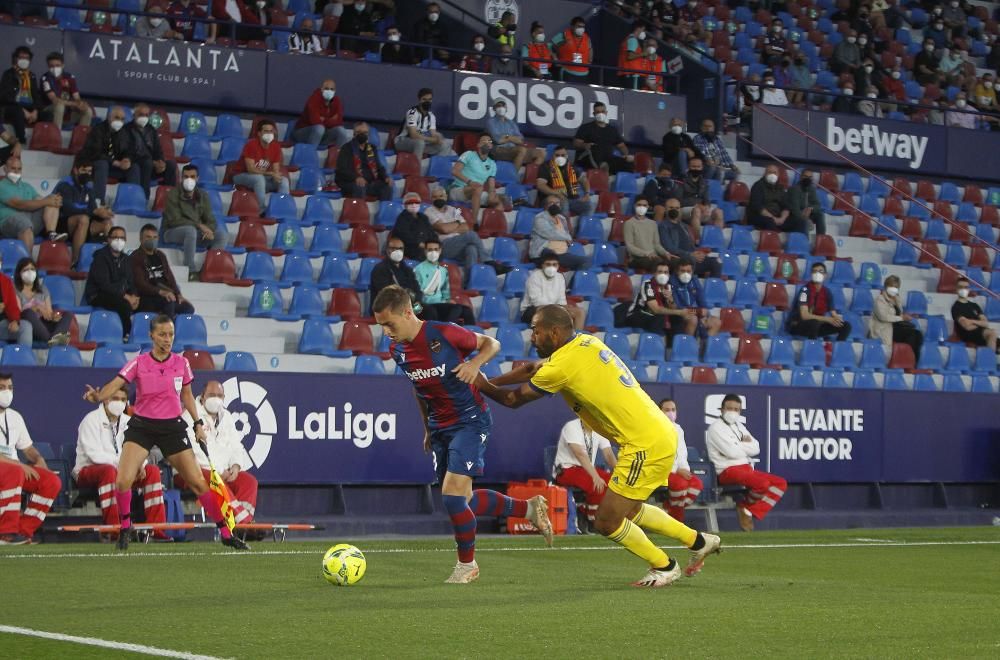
(626, 377)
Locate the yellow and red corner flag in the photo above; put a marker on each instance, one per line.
(224, 498)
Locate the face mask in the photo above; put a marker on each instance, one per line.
(23, 64)
(730, 417)
(817, 278)
(393, 37)
(149, 245)
(673, 214)
(540, 37)
(561, 161)
(641, 210)
(28, 276)
(155, 22)
(433, 256)
(141, 121)
(360, 6)
(440, 203)
(426, 105)
(777, 29)
(684, 277)
(14, 176)
(116, 125)
(189, 183)
(851, 40)
(771, 178)
(116, 408)
(694, 174)
(267, 138)
(361, 138)
(550, 271)
(396, 256)
(954, 5)
(83, 179)
(939, 26)
(651, 50)
(213, 405)
(963, 293)
(413, 208)
(261, 4)
(662, 279)
(676, 130)
(501, 111)
(672, 415)
(505, 59)
(997, 86)
(960, 103)
(56, 71)
(328, 94)
(601, 117)
(118, 245)
(554, 209)
(873, 96)
(929, 48)
(578, 31)
(768, 83)
(862, 41)
(892, 291)
(478, 46)
(937, 11)
(868, 69)
(6, 397)
(433, 16)
(848, 91)
(895, 75)
(641, 36)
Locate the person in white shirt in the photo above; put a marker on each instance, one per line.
(99, 441)
(225, 447)
(34, 477)
(684, 487)
(730, 447)
(574, 464)
(545, 286)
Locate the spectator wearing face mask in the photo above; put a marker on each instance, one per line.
(867, 48)
(803, 204)
(509, 143)
(393, 270)
(695, 205)
(927, 65)
(504, 65)
(893, 87)
(359, 172)
(731, 449)
(799, 76)
(812, 314)
(653, 305)
(114, 153)
(419, 132)
(951, 63)
(846, 56)
(550, 235)
(458, 241)
(936, 33)
(259, 166)
(890, 324)
(954, 18)
(869, 105)
(12, 326)
(79, 215)
(413, 228)
(561, 178)
(392, 51)
(774, 45)
(675, 239)
(305, 40)
(865, 76)
(21, 97)
(431, 31)
(475, 61)
(652, 69)
(357, 20)
(971, 325)
(154, 279)
(322, 118)
(537, 56)
(109, 281)
(574, 51)
(689, 300)
(659, 189)
(149, 152)
(631, 50)
(845, 102)
(188, 220)
(433, 280)
(505, 30)
(574, 465)
(59, 87)
(683, 486)
(718, 164)
(962, 115)
(155, 27)
(768, 205)
(678, 147)
(597, 142)
(642, 239)
(475, 178)
(23, 214)
(225, 449)
(985, 94)
(99, 441)
(771, 95)
(546, 286)
(47, 324)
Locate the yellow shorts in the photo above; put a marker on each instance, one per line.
(640, 471)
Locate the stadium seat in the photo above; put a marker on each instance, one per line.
(64, 356)
(746, 294)
(803, 377)
(741, 239)
(600, 315)
(356, 337)
(930, 358)
(982, 384)
(345, 303)
(750, 352)
(986, 361)
(369, 365)
(619, 287)
(770, 378)
(585, 284)
(45, 136)
(307, 302)
(364, 241)
(387, 214)
(958, 359)
(281, 206)
(704, 375)
(738, 374)
(512, 345)
(651, 348)
(266, 301)
(193, 122)
(833, 378)
(190, 332)
(326, 240)
(54, 258)
(606, 255)
(782, 352)
(925, 383)
(482, 277)
(251, 236)
(813, 354)
(776, 296)
(902, 357)
(196, 146)
(289, 236)
(259, 266)
(318, 211)
(685, 350)
(797, 244)
(864, 379)
(131, 200)
(506, 251)
(842, 356)
(297, 268)
(936, 330)
(109, 357)
(200, 360)
(104, 328)
(715, 292)
(355, 212)
(862, 301)
(617, 341)
(954, 383)
(494, 309)
(873, 355)
(15, 355)
(669, 372)
(717, 350)
(363, 279)
(239, 361)
(758, 266)
(514, 281)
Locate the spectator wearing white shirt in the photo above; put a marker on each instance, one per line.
(962, 115)
(730, 448)
(34, 477)
(545, 286)
(574, 466)
(684, 486)
(772, 95)
(99, 441)
(225, 448)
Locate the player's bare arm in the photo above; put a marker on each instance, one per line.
(468, 371)
(521, 374)
(422, 406)
(514, 398)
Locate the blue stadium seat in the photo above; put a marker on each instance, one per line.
(870, 204)
(669, 372)
(524, 220)
(918, 209)
(870, 275)
(104, 327)
(317, 339)
(64, 295)
(770, 378)
(894, 380)
(482, 277)
(230, 150)
(905, 255)
(15, 355)
(982, 384)
(715, 292)
(140, 329)
(259, 266)
(617, 341)
(363, 280)
(925, 383)
(64, 356)
(858, 326)
(266, 301)
(109, 357)
(731, 267)
(782, 352)
(494, 308)
(492, 369)
(685, 350)
(813, 354)
(651, 348)
(192, 122)
(949, 193)
(986, 361)
(862, 301)
(626, 182)
(992, 310)
(797, 244)
(833, 378)
(878, 187)
(228, 126)
(746, 294)
(281, 206)
(842, 356)
(600, 315)
(307, 302)
(843, 273)
(717, 350)
(289, 236)
(741, 239)
(954, 383)
(240, 361)
(191, 333)
(955, 256)
(335, 272)
(326, 240)
(369, 365)
(738, 374)
(197, 146)
(68, 18)
(590, 228)
(318, 211)
(712, 238)
(958, 359)
(131, 200)
(514, 281)
(439, 167)
(758, 267)
(916, 303)
(864, 379)
(304, 155)
(310, 180)
(886, 227)
(967, 213)
(512, 345)
(506, 250)
(297, 268)
(803, 377)
(605, 255)
(873, 354)
(585, 284)
(388, 213)
(936, 231)
(930, 358)
(852, 183)
(937, 329)
(506, 173)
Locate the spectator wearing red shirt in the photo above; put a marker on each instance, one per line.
(181, 12)
(322, 120)
(892, 85)
(60, 89)
(259, 165)
(236, 11)
(812, 315)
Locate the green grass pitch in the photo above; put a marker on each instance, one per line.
(857, 593)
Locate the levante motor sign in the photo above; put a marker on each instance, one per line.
(813, 434)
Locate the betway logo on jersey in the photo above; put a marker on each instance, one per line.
(164, 53)
(870, 140)
(360, 428)
(539, 103)
(418, 375)
(806, 433)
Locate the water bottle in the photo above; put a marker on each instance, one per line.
(267, 300)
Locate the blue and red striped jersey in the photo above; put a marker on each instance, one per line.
(428, 361)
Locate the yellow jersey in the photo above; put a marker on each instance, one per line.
(602, 391)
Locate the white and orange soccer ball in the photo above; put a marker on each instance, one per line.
(344, 565)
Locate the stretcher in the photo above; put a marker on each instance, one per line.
(144, 531)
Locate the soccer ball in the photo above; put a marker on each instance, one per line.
(344, 565)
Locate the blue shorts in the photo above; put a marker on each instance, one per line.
(461, 449)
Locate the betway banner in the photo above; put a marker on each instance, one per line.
(329, 429)
(877, 144)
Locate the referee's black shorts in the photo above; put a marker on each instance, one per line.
(170, 435)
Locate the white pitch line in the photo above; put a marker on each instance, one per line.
(107, 644)
(273, 553)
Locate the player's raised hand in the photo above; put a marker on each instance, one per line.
(466, 372)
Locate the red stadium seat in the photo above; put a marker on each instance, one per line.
(947, 282)
(599, 181)
(844, 201)
(861, 226)
(893, 206)
(160, 198)
(417, 184)
(617, 233)
(828, 180)
(220, 268)
(531, 173)
(251, 236)
(902, 357)
(331, 157)
(364, 241)
(990, 216)
(200, 360)
(407, 164)
(738, 192)
(943, 209)
(244, 204)
(704, 375)
(930, 254)
(78, 138)
(770, 242)
(346, 304)
(610, 203)
(787, 268)
(973, 194)
(357, 338)
(902, 186)
(750, 352)
(825, 246)
(167, 146)
(46, 136)
(619, 287)
(911, 229)
(925, 191)
(355, 212)
(465, 141)
(643, 164)
(54, 258)
(732, 321)
(775, 296)
(979, 258)
(492, 223)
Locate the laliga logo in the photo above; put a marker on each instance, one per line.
(495, 8)
(252, 395)
(538, 103)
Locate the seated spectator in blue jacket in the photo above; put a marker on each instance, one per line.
(660, 188)
(433, 280)
(676, 239)
(550, 236)
(79, 215)
(812, 314)
(689, 297)
(109, 281)
(508, 141)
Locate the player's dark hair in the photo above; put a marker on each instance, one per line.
(732, 397)
(665, 400)
(393, 298)
(554, 316)
(158, 321)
